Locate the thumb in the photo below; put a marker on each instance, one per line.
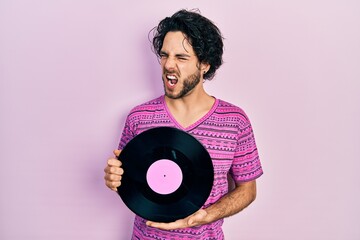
(117, 152)
(197, 217)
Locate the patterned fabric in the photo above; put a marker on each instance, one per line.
(225, 131)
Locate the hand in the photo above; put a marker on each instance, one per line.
(113, 172)
(195, 219)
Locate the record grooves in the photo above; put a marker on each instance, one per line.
(168, 174)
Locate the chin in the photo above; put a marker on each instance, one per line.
(172, 95)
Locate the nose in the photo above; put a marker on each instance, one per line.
(169, 64)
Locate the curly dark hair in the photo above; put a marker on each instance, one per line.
(202, 34)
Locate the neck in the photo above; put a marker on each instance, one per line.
(190, 108)
(194, 100)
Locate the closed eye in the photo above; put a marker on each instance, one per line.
(163, 55)
(182, 57)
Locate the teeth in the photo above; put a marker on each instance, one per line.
(172, 79)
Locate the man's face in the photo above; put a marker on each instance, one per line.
(181, 67)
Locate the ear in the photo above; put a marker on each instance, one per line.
(204, 67)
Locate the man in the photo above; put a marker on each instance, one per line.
(190, 49)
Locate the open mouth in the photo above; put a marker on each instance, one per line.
(172, 79)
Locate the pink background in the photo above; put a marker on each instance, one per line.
(71, 70)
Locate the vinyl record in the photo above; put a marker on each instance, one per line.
(168, 174)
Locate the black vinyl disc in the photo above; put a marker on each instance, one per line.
(168, 174)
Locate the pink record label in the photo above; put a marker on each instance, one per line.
(164, 176)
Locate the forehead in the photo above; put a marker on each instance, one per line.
(176, 42)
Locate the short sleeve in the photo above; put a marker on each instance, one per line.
(127, 134)
(246, 164)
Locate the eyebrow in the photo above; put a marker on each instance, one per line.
(181, 55)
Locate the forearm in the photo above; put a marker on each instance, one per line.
(233, 202)
(228, 205)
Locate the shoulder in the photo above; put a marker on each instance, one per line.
(231, 110)
(233, 116)
(150, 106)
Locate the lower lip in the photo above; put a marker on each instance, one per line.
(168, 85)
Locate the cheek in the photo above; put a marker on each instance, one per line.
(162, 64)
(187, 70)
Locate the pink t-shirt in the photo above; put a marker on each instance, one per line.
(225, 131)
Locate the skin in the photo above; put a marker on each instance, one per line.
(187, 106)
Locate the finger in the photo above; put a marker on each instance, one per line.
(197, 218)
(113, 171)
(168, 226)
(116, 170)
(110, 185)
(117, 152)
(114, 162)
(113, 177)
(113, 185)
(191, 221)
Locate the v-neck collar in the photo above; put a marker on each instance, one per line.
(196, 123)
